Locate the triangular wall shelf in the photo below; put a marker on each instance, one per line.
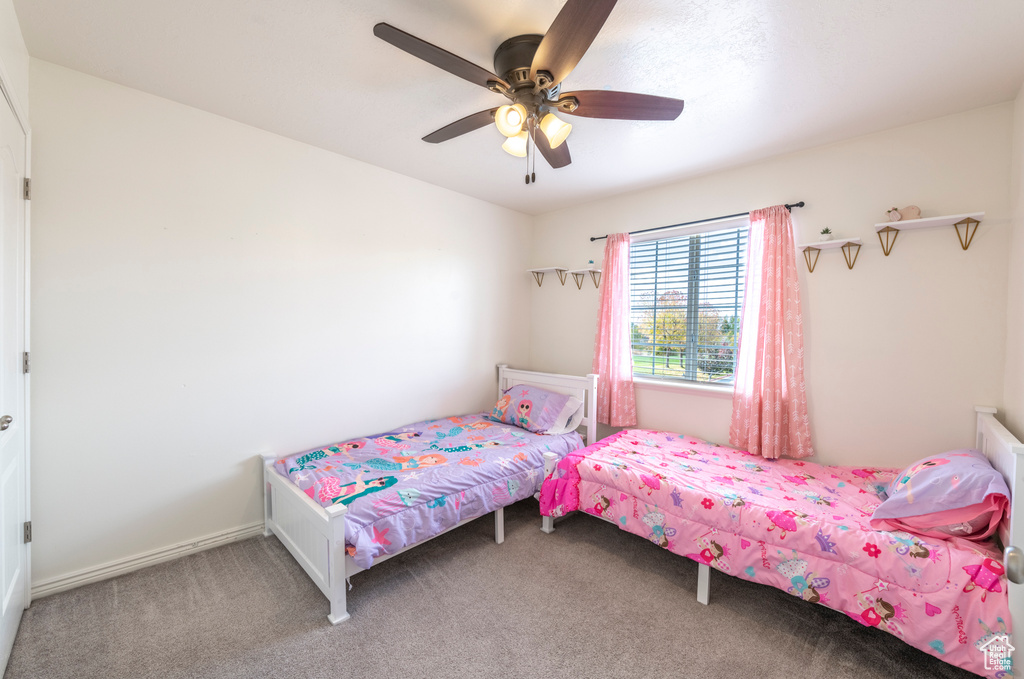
(579, 274)
(813, 250)
(968, 221)
(538, 274)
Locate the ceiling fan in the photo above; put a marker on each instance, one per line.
(532, 69)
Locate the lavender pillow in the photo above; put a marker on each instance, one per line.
(536, 409)
(955, 493)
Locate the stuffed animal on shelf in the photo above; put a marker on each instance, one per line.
(909, 212)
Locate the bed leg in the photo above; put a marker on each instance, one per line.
(499, 525)
(547, 523)
(703, 583)
(339, 613)
(268, 506)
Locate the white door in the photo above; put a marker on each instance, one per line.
(13, 451)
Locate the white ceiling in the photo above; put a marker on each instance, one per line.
(760, 77)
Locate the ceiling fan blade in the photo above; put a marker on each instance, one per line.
(556, 157)
(622, 105)
(433, 54)
(467, 124)
(571, 33)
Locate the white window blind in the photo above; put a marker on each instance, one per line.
(686, 298)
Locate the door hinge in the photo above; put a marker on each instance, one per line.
(28, 188)
(28, 532)
(26, 365)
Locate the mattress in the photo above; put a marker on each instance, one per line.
(404, 486)
(797, 526)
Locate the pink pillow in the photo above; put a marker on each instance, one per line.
(953, 494)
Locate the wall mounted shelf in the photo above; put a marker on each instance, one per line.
(813, 250)
(579, 274)
(538, 274)
(969, 221)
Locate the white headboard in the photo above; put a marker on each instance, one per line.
(583, 388)
(1006, 454)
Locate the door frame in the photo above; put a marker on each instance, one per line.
(11, 99)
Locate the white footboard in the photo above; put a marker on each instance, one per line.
(314, 535)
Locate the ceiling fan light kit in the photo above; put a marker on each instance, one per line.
(509, 119)
(516, 144)
(532, 68)
(555, 129)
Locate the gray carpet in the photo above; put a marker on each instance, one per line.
(587, 601)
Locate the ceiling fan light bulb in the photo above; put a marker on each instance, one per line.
(509, 119)
(555, 129)
(516, 145)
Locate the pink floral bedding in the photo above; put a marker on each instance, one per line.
(797, 526)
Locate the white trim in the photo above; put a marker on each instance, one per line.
(9, 94)
(27, 410)
(7, 89)
(705, 227)
(703, 389)
(113, 569)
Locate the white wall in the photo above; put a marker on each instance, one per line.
(13, 54)
(898, 350)
(204, 292)
(1013, 392)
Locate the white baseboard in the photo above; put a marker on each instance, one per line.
(134, 563)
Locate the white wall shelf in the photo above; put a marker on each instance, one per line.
(968, 220)
(812, 250)
(538, 274)
(579, 274)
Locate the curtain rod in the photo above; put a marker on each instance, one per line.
(789, 207)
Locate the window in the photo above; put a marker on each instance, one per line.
(686, 299)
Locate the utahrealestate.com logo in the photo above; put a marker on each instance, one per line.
(997, 652)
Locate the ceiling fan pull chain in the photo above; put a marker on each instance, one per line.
(533, 171)
(527, 177)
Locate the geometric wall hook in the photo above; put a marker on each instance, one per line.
(887, 244)
(968, 234)
(847, 249)
(807, 257)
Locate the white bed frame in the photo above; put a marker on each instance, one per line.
(1006, 454)
(315, 535)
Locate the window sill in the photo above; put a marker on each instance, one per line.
(718, 391)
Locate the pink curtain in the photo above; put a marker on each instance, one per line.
(769, 406)
(613, 358)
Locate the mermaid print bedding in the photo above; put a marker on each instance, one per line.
(797, 526)
(404, 486)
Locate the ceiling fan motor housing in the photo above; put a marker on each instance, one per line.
(513, 58)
